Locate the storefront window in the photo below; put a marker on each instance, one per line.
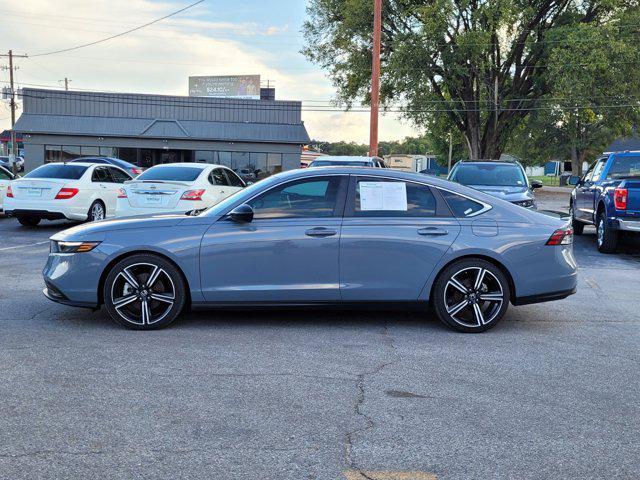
(274, 163)
(90, 151)
(108, 152)
(52, 153)
(204, 156)
(259, 165)
(69, 152)
(128, 155)
(224, 158)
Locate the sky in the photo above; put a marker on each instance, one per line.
(217, 37)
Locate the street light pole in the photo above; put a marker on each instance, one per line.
(375, 78)
(13, 116)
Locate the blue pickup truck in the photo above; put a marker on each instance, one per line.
(608, 196)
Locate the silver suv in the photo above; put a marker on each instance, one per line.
(504, 180)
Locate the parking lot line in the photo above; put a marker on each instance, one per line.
(389, 475)
(23, 246)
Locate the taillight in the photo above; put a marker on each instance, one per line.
(562, 236)
(620, 196)
(303, 165)
(192, 195)
(122, 193)
(9, 192)
(66, 193)
(136, 171)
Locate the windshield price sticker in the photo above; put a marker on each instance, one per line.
(391, 196)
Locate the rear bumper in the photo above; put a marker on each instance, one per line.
(126, 210)
(628, 225)
(46, 209)
(545, 297)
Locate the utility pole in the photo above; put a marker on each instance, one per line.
(66, 83)
(13, 105)
(375, 77)
(450, 151)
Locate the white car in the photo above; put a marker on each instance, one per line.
(5, 179)
(75, 191)
(177, 187)
(5, 162)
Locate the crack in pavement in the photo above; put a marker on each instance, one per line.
(360, 398)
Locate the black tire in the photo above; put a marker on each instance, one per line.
(447, 297)
(128, 312)
(93, 215)
(29, 221)
(606, 237)
(577, 225)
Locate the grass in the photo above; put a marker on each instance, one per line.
(547, 181)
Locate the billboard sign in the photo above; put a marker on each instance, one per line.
(232, 86)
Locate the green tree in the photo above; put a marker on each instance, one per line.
(480, 64)
(594, 91)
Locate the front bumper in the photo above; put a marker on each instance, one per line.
(74, 278)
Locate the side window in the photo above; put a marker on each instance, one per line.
(376, 197)
(217, 177)
(234, 180)
(597, 171)
(462, 207)
(589, 175)
(118, 175)
(4, 175)
(101, 174)
(309, 198)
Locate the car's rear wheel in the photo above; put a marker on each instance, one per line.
(29, 221)
(607, 237)
(144, 292)
(471, 295)
(96, 212)
(577, 225)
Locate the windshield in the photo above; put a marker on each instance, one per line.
(340, 163)
(176, 174)
(625, 167)
(494, 175)
(58, 170)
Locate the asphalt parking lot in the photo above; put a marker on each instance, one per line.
(551, 392)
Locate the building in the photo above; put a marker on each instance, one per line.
(627, 144)
(254, 137)
(415, 163)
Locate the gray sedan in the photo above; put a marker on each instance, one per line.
(320, 237)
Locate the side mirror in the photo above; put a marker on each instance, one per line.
(574, 180)
(536, 184)
(241, 214)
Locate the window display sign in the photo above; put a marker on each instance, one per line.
(233, 86)
(383, 196)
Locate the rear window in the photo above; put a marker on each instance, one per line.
(64, 171)
(625, 167)
(345, 163)
(176, 174)
(495, 175)
(460, 206)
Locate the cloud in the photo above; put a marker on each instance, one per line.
(159, 59)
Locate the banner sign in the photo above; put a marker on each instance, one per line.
(234, 86)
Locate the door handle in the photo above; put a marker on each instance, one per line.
(432, 231)
(320, 232)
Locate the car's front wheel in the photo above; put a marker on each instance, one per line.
(577, 225)
(471, 295)
(144, 292)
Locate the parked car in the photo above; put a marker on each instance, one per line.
(75, 191)
(177, 187)
(504, 180)
(322, 236)
(608, 196)
(346, 161)
(6, 176)
(130, 168)
(5, 162)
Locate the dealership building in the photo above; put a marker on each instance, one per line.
(248, 135)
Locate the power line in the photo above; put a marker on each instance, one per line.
(118, 34)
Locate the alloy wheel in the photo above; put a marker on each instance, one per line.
(97, 212)
(600, 232)
(473, 297)
(143, 294)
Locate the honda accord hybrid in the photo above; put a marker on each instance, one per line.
(329, 236)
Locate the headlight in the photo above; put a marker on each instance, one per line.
(72, 247)
(525, 203)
